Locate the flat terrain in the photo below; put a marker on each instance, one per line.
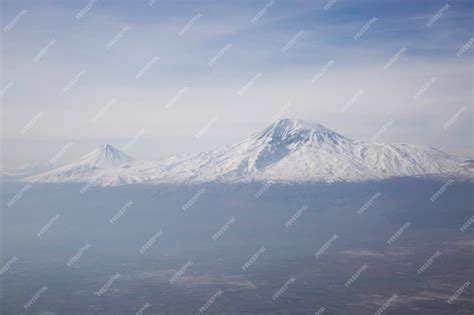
(203, 250)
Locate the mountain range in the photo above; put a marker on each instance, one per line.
(287, 151)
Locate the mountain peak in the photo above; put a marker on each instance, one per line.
(289, 130)
(296, 124)
(106, 156)
(107, 146)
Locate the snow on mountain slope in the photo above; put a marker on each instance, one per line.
(105, 157)
(288, 150)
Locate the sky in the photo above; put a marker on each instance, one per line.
(161, 78)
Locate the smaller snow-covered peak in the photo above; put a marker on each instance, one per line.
(106, 156)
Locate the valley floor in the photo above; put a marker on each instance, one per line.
(355, 249)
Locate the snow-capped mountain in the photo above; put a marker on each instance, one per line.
(104, 158)
(288, 150)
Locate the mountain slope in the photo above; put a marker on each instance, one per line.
(104, 158)
(29, 170)
(288, 150)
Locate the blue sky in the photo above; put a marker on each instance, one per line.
(102, 52)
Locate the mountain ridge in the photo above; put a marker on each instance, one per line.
(289, 150)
